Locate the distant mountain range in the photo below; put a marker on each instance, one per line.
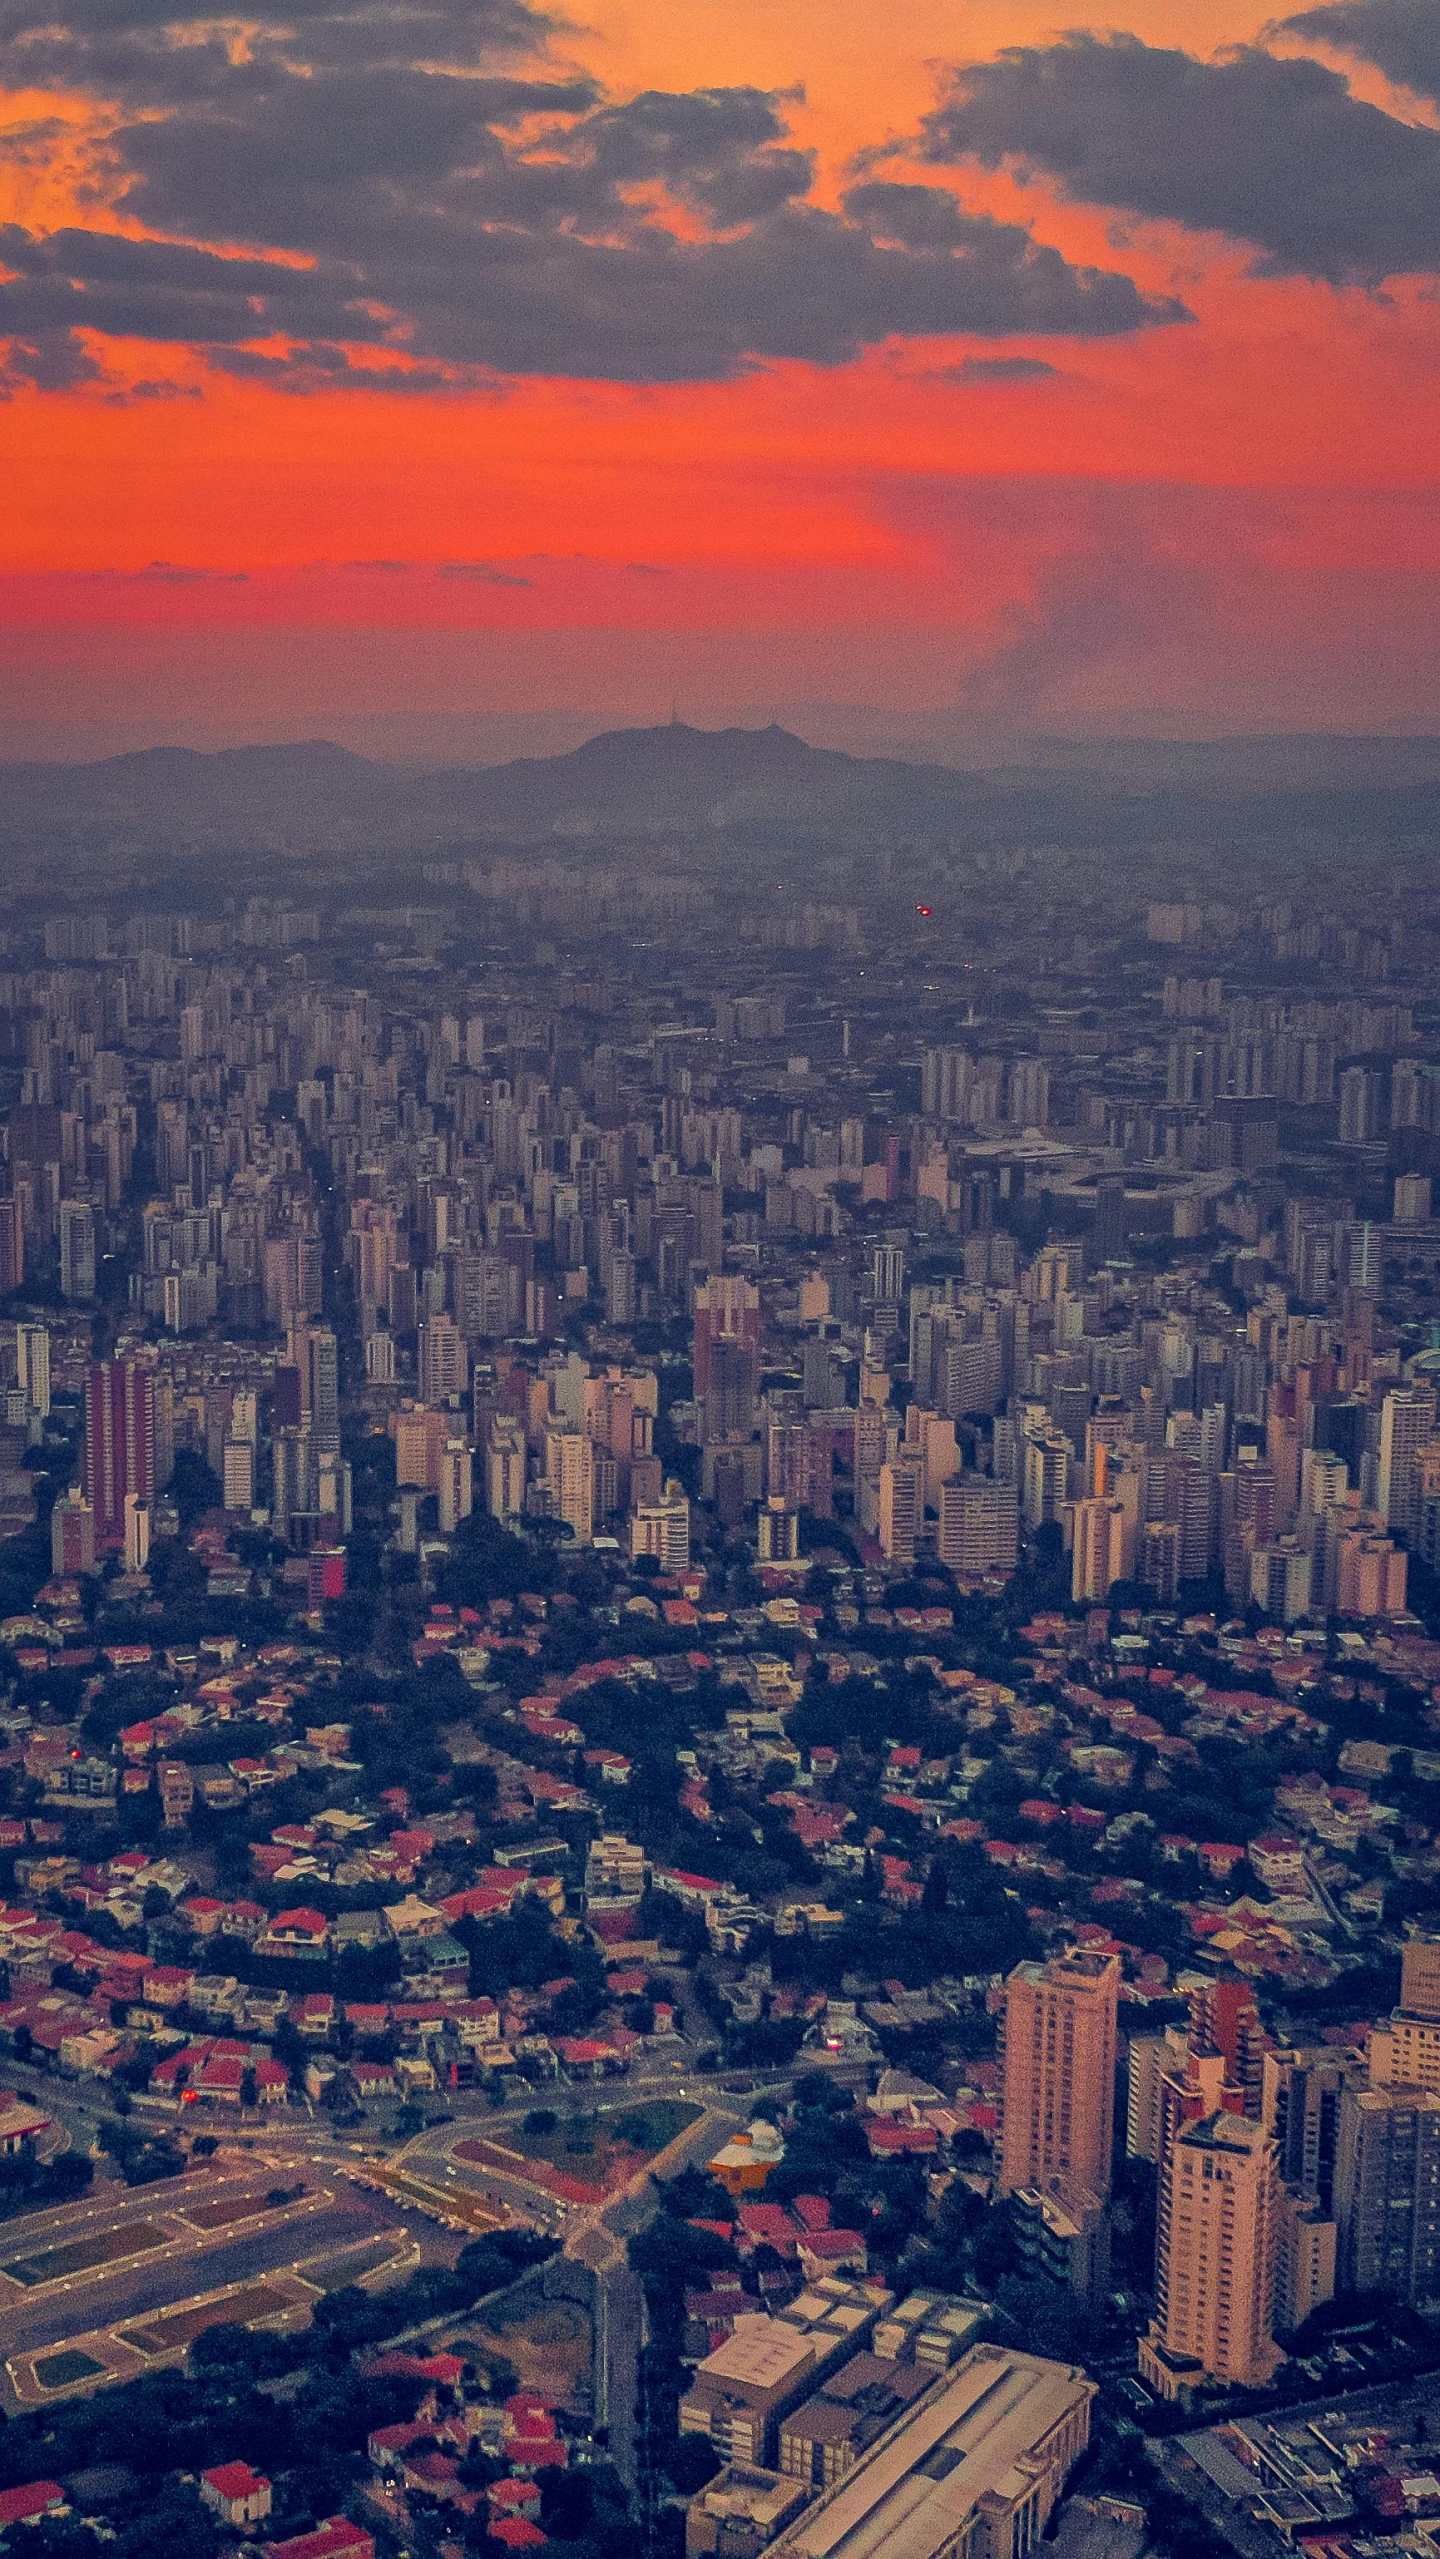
(703, 784)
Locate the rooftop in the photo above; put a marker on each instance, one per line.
(909, 2497)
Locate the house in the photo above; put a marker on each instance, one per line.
(21, 2124)
(412, 1920)
(584, 2057)
(235, 2492)
(743, 2164)
(515, 2497)
(296, 1934)
(370, 2079)
(167, 1985)
(337, 2538)
(26, 2505)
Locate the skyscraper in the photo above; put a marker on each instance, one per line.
(979, 1526)
(727, 1354)
(505, 1467)
(119, 1443)
(1387, 2192)
(77, 1251)
(1407, 1420)
(1405, 2052)
(1103, 1550)
(1221, 2205)
(571, 1457)
(72, 1535)
(456, 1497)
(1057, 2129)
(444, 1361)
(902, 1506)
(1420, 1977)
(32, 1360)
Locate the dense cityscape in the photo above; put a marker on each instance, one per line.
(720, 1689)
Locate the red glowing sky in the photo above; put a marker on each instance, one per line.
(694, 420)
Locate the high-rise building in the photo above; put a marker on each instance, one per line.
(1059, 2064)
(1102, 1552)
(571, 1469)
(662, 1529)
(137, 1532)
(334, 1495)
(946, 1077)
(1405, 2052)
(1221, 2203)
(505, 1468)
(294, 1467)
(1387, 2192)
(1407, 1421)
(72, 1535)
(444, 1360)
(32, 1366)
(324, 1353)
(902, 1507)
(1360, 1100)
(456, 1490)
(1047, 1474)
(77, 1251)
(1420, 1977)
(1300, 2109)
(1371, 1574)
(887, 1274)
(620, 1297)
(979, 1526)
(727, 1354)
(239, 1475)
(119, 1443)
(12, 1246)
(380, 1359)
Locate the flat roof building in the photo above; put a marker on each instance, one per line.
(974, 2472)
(766, 2366)
(738, 2512)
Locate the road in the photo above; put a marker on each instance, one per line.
(290, 2141)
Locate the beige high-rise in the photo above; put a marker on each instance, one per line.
(1405, 2053)
(1060, 2074)
(1420, 1977)
(1221, 2209)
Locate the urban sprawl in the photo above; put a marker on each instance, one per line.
(719, 1712)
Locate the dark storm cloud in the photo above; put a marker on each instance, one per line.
(1400, 37)
(1276, 153)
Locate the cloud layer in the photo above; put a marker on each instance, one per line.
(414, 186)
(420, 195)
(1275, 152)
(1400, 37)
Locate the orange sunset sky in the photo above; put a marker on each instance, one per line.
(385, 366)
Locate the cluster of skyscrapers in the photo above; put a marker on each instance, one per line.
(1285, 2174)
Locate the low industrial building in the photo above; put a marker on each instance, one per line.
(974, 2473)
